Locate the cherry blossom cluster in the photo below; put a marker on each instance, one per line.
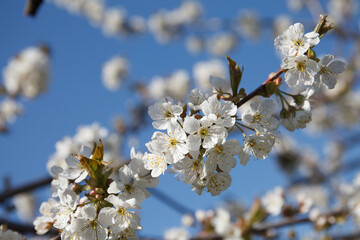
(26, 75)
(303, 70)
(8, 234)
(92, 200)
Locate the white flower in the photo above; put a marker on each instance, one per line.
(187, 220)
(217, 182)
(88, 134)
(196, 98)
(293, 42)
(329, 69)
(164, 113)
(188, 168)
(259, 145)
(273, 201)
(220, 85)
(27, 73)
(301, 118)
(224, 111)
(155, 162)
(194, 44)
(114, 72)
(203, 132)
(176, 234)
(203, 70)
(89, 226)
(222, 222)
(281, 23)
(221, 43)
(300, 70)
(75, 170)
(176, 85)
(130, 185)
(25, 204)
(63, 211)
(120, 217)
(222, 155)
(94, 10)
(10, 109)
(44, 223)
(114, 21)
(9, 235)
(259, 116)
(172, 144)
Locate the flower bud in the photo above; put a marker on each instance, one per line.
(299, 99)
(284, 113)
(92, 193)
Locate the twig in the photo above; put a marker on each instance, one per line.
(261, 89)
(24, 228)
(32, 7)
(170, 201)
(25, 188)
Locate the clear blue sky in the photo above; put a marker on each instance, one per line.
(76, 95)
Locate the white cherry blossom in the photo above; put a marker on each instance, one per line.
(224, 111)
(216, 183)
(222, 155)
(259, 145)
(259, 116)
(164, 113)
(89, 226)
(172, 144)
(120, 217)
(130, 185)
(301, 118)
(329, 69)
(63, 211)
(293, 43)
(196, 98)
(203, 132)
(273, 201)
(300, 69)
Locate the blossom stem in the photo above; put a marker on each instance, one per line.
(261, 89)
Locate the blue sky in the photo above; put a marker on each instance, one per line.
(76, 95)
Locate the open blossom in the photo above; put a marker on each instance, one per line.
(28, 73)
(203, 132)
(329, 68)
(203, 70)
(195, 98)
(301, 118)
(273, 201)
(222, 155)
(164, 113)
(172, 144)
(216, 183)
(130, 185)
(259, 145)
(300, 70)
(156, 162)
(114, 71)
(188, 168)
(293, 43)
(75, 170)
(259, 117)
(119, 215)
(224, 111)
(88, 225)
(63, 211)
(44, 222)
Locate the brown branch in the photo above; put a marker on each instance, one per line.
(348, 236)
(25, 188)
(25, 228)
(32, 7)
(263, 227)
(261, 89)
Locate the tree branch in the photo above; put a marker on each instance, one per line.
(261, 89)
(25, 188)
(32, 7)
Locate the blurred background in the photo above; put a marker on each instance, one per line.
(110, 59)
